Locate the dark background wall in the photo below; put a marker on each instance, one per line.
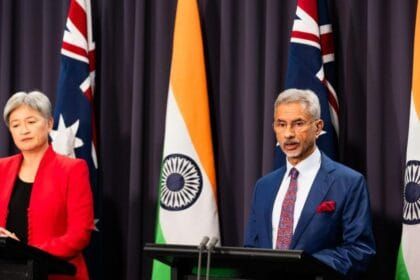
(246, 44)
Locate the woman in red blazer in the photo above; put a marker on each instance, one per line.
(45, 198)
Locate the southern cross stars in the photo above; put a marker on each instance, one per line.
(64, 139)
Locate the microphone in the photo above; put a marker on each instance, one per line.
(203, 242)
(210, 248)
(212, 243)
(202, 245)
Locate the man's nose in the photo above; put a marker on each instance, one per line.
(289, 132)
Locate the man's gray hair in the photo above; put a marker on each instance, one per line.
(306, 97)
(34, 99)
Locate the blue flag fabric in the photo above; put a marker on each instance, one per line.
(311, 66)
(74, 126)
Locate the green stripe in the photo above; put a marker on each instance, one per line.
(217, 272)
(160, 270)
(401, 272)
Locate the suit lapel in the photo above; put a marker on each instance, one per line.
(43, 179)
(319, 189)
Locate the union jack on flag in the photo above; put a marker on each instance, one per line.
(311, 66)
(74, 123)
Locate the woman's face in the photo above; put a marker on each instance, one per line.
(29, 129)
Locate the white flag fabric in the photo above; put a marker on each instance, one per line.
(409, 255)
(187, 187)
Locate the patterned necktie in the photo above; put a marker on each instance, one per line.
(285, 230)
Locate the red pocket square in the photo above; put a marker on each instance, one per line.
(326, 206)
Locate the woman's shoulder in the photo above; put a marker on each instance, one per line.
(63, 161)
(9, 159)
(69, 161)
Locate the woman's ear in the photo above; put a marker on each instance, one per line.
(50, 123)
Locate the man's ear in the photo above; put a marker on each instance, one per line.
(319, 126)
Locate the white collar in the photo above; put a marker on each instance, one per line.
(312, 161)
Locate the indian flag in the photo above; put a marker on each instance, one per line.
(187, 208)
(409, 254)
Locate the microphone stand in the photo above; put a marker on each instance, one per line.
(200, 252)
(210, 248)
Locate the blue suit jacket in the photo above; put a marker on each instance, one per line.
(343, 238)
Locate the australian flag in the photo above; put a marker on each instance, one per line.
(74, 123)
(311, 66)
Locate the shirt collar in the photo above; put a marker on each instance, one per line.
(312, 161)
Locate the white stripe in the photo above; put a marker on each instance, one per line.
(320, 74)
(333, 114)
(334, 120)
(410, 248)
(332, 90)
(305, 23)
(92, 75)
(85, 85)
(410, 240)
(326, 58)
(305, 42)
(74, 56)
(94, 157)
(326, 28)
(86, 5)
(190, 225)
(73, 36)
(413, 147)
(82, 4)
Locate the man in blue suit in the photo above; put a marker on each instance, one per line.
(323, 208)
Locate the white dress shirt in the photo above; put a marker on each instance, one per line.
(308, 168)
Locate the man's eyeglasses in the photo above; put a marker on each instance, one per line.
(297, 126)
